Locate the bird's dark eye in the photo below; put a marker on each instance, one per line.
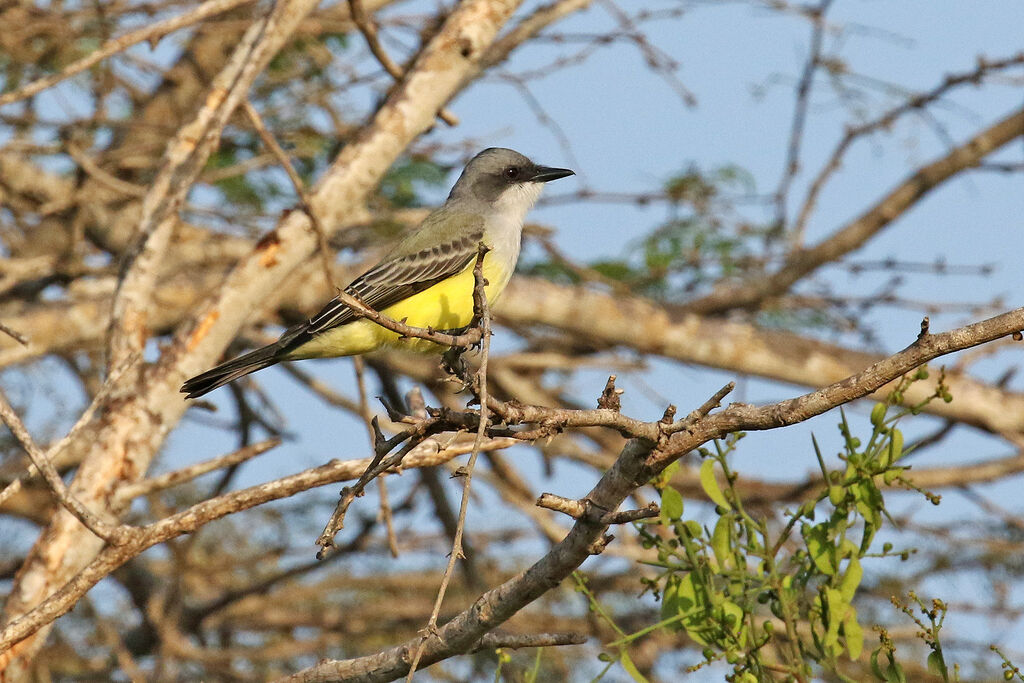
(511, 172)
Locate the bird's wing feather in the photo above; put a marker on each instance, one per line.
(395, 279)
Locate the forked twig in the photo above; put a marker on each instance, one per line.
(92, 522)
(423, 428)
(481, 310)
(369, 30)
(300, 188)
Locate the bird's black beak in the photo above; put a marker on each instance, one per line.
(545, 174)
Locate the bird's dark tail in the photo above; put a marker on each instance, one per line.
(231, 370)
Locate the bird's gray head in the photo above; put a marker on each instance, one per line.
(505, 179)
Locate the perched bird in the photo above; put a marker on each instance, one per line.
(426, 279)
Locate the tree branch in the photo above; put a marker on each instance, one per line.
(636, 464)
(802, 262)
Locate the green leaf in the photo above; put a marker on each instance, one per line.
(821, 550)
(895, 446)
(615, 270)
(720, 542)
(937, 665)
(837, 608)
(670, 599)
(878, 414)
(875, 668)
(869, 501)
(731, 609)
(851, 580)
(854, 634)
(710, 484)
(671, 505)
(691, 599)
(630, 668)
(894, 673)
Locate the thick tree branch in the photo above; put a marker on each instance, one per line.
(184, 158)
(735, 346)
(138, 539)
(636, 464)
(133, 431)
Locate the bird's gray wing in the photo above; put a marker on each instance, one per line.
(396, 279)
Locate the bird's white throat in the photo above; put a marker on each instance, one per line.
(517, 200)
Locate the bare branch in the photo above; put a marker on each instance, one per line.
(166, 481)
(152, 33)
(90, 520)
(145, 418)
(369, 30)
(803, 98)
(513, 641)
(584, 509)
(802, 262)
(184, 158)
(638, 461)
(200, 514)
(482, 311)
(917, 102)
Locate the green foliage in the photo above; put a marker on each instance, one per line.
(243, 189)
(402, 181)
(702, 239)
(775, 598)
(621, 655)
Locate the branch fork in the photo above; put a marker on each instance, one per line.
(587, 510)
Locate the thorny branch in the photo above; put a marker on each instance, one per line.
(639, 460)
(482, 314)
(425, 428)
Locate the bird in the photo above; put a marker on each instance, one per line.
(426, 279)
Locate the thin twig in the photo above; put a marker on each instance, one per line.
(83, 514)
(364, 412)
(917, 102)
(166, 481)
(480, 306)
(87, 164)
(85, 418)
(152, 33)
(513, 641)
(300, 188)
(750, 293)
(803, 97)
(14, 334)
(463, 340)
(584, 509)
(472, 334)
(369, 30)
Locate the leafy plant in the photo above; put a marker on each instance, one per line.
(774, 597)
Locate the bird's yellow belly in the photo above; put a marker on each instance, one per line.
(448, 305)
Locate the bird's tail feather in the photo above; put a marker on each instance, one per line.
(231, 370)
